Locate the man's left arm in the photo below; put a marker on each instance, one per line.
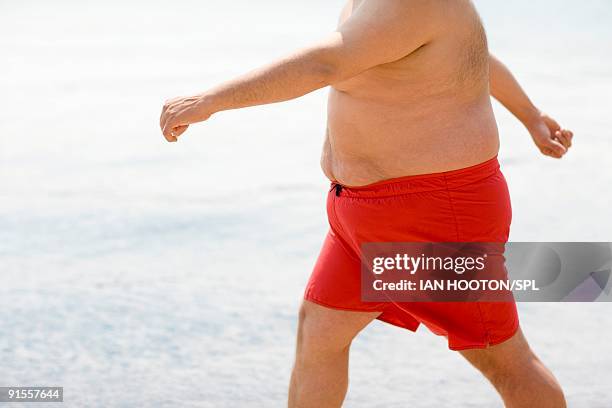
(548, 135)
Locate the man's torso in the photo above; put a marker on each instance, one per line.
(425, 113)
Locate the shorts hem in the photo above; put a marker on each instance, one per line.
(396, 324)
(414, 328)
(319, 302)
(489, 344)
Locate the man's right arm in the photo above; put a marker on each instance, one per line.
(378, 32)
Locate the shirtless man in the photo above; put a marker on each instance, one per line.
(411, 131)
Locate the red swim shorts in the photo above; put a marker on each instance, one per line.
(466, 205)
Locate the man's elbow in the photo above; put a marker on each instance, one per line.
(327, 72)
(330, 66)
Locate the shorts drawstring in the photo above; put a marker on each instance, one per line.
(338, 188)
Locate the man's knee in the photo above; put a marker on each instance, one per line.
(514, 376)
(324, 331)
(315, 333)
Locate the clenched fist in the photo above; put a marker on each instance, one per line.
(550, 137)
(178, 113)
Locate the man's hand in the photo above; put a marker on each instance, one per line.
(178, 113)
(550, 137)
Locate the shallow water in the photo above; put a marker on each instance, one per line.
(137, 273)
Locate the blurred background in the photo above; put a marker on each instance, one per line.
(139, 273)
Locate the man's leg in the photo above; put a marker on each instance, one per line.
(320, 373)
(518, 375)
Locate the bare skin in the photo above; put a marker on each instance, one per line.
(411, 85)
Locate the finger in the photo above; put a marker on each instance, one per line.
(563, 139)
(163, 114)
(163, 119)
(169, 134)
(550, 153)
(556, 147)
(179, 130)
(569, 135)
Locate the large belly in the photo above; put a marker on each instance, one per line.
(371, 139)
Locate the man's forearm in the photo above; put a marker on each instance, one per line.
(288, 78)
(506, 89)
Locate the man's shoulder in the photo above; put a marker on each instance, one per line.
(412, 18)
(426, 19)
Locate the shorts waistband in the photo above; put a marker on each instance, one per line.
(421, 182)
